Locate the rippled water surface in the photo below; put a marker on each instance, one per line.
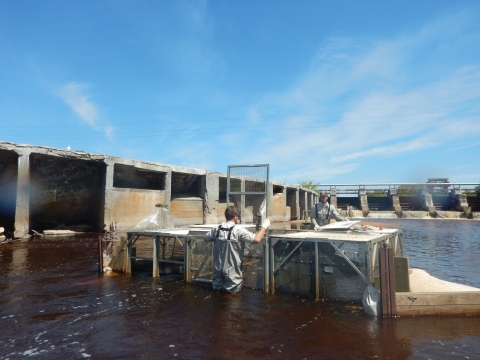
(53, 305)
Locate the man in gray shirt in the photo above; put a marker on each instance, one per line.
(322, 212)
(227, 250)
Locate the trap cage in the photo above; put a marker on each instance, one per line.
(247, 189)
(334, 265)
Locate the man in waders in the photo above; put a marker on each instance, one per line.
(228, 250)
(322, 212)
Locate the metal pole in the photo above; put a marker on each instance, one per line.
(156, 244)
(186, 260)
(100, 256)
(317, 274)
(128, 260)
(266, 266)
(271, 272)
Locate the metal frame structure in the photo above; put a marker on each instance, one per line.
(370, 243)
(266, 192)
(266, 253)
(159, 239)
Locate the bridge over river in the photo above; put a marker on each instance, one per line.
(434, 196)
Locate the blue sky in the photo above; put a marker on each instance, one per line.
(328, 91)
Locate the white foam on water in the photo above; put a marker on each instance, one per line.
(38, 336)
(31, 352)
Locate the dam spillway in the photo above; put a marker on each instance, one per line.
(45, 188)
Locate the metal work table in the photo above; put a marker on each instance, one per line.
(159, 238)
(367, 241)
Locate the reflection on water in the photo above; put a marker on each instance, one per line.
(54, 305)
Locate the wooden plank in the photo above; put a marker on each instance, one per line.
(440, 298)
(439, 310)
(450, 303)
(387, 282)
(391, 282)
(402, 277)
(383, 265)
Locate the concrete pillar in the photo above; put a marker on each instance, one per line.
(395, 202)
(428, 203)
(302, 201)
(241, 206)
(108, 201)
(362, 194)
(461, 203)
(270, 200)
(285, 204)
(210, 191)
(168, 188)
(293, 201)
(306, 209)
(22, 206)
(333, 198)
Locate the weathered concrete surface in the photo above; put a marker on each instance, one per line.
(44, 188)
(362, 194)
(130, 206)
(461, 203)
(188, 210)
(211, 198)
(395, 202)
(278, 207)
(428, 204)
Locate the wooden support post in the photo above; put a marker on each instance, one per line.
(387, 282)
(156, 245)
(271, 274)
(317, 274)
(266, 266)
(187, 259)
(128, 260)
(100, 256)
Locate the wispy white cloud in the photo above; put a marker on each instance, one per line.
(75, 96)
(381, 98)
(109, 131)
(384, 151)
(463, 147)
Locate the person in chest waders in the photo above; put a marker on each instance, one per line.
(227, 250)
(322, 212)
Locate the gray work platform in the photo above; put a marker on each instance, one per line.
(338, 262)
(357, 249)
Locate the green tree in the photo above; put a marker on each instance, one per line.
(308, 184)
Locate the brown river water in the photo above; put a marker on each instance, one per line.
(54, 305)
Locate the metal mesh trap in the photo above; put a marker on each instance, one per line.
(247, 189)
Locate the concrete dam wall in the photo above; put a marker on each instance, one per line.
(45, 188)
